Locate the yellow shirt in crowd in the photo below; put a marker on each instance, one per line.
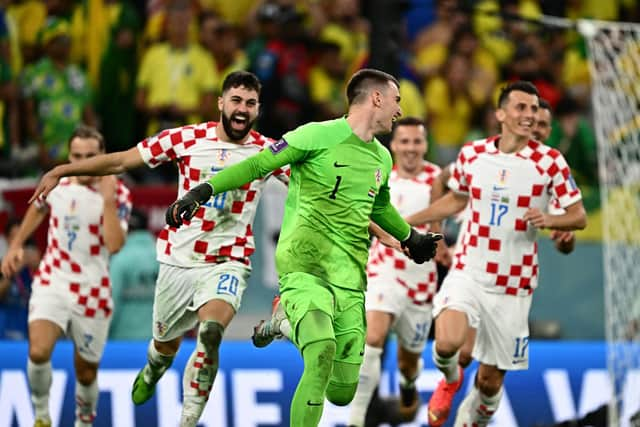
(177, 77)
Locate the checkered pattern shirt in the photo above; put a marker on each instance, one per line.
(76, 258)
(408, 196)
(498, 248)
(221, 229)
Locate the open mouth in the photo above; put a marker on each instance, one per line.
(239, 121)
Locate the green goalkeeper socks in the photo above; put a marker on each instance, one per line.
(308, 400)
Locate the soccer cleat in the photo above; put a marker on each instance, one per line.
(440, 402)
(141, 391)
(42, 423)
(408, 404)
(266, 331)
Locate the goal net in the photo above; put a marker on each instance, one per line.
(614, 61)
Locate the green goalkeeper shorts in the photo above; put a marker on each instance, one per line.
(301, 293)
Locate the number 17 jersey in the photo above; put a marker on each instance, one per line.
(498, 248)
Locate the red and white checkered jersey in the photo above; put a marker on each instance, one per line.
(76, 258)
(408, 196)
(221, 229)
(498, 247)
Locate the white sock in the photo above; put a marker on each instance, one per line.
(447, 365)
(369, 379)
(157, 364)
(477, 408)
(485, 409)
(86, 403)
(464, 410)
(40, 378)
(200, 373)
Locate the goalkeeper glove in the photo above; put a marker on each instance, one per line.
(421, 247)
(186, 207)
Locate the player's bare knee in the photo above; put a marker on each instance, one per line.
(341, 394)
(488, 383)
(376, 339)
(168, 348)
(86, 375)
(210, 334)
(39, 354)
(446, 347)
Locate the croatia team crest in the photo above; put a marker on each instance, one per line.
(161, 328)
(223, 156)
(502, 176)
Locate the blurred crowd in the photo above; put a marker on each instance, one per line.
(133, 68)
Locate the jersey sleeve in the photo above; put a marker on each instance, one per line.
(256, 166)
(563, 186)
(123, 200)
(283, 173)
(457, 180)
(168, 145)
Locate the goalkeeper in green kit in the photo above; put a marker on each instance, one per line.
(338, 184)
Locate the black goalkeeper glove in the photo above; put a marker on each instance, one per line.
(421, 247)
(187, 206)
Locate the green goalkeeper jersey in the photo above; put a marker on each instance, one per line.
(338, 182)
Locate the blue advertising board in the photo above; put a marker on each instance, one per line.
(254, 386)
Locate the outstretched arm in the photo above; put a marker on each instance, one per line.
(449, 204)
(103, 164)
(114, 234)
(12, 260)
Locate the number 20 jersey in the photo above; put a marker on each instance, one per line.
(221, 229)
(498, 248)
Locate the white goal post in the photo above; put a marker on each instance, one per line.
(614, 62)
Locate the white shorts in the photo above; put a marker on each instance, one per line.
(411, 322)
(502, 321)
(89, 334)
(180, 292)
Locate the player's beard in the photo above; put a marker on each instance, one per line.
(236, 134)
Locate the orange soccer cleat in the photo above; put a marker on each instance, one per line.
(440, 402)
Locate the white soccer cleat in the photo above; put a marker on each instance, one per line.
(266, 331)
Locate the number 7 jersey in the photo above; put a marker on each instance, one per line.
(498, 248)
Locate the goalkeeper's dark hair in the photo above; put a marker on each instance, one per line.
(85, 131)
(407, 121)
(363, 80)
(241, 78)
(521, 86)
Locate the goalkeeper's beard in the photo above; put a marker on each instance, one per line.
(234, 134)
